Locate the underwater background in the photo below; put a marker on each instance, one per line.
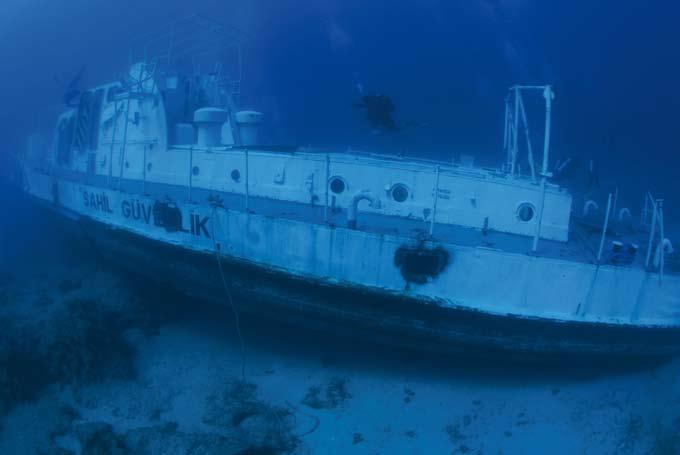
(95, 361)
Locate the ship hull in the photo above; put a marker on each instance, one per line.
(358, 312)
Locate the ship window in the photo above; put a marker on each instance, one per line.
(399, 192)
(195, 170)
(149, 167)
(526, 212)
(338, 185)
(235, 175)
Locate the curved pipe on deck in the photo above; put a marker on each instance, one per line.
(352, 211)
(624, 214)
(588, 206)
(665, 247)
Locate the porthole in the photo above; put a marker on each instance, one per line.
(127, 165)
(399, 192)
(195, 170)
(338, 185)
(235, 175)
(526, 212)
(148, 167)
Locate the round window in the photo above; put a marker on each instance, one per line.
(235, 175)
(399, 192)
(337, 185)
(195, 170)
(526, 212)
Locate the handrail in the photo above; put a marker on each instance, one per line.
(125, 130)
(247, 182)
(144, 172)
(434, 202)
(527, 136)
(326, 184)
(191, 171)
(657, 223)
(661, 242)
(604, 228)
(116, 112)
(652, 230)
(539, 221)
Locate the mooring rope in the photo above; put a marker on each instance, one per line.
(315, 425)
(216, 247)
(217, 203)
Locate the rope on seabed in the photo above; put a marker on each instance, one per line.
(216, 248)
(316, 425)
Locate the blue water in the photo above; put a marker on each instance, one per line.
(615, 69)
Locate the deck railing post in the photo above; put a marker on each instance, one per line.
(247, 182)
(527, 136)
(651, 231)
(326, 183)
(506, 130)
(144, 172)
(191, 171)
(515, 128)
(662, 247)
(434, 201)
(113, 142)
(616, 202)
(645, 210)
(539, 221)
(548, 95)
(127, 122)
(604, 228)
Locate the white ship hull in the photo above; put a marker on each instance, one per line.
(351, 280)
(166, 174)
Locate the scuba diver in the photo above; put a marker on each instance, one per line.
(379, 109)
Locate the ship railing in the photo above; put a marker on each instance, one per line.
(192, 36)
(651, 218)
(656, 227)
(195, 40)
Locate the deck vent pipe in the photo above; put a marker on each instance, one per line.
(663, 248)
(624, 214)
(209, 121)
(249, 123)
(588, 206)
(352, 211)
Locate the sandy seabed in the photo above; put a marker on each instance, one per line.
(93, 361)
